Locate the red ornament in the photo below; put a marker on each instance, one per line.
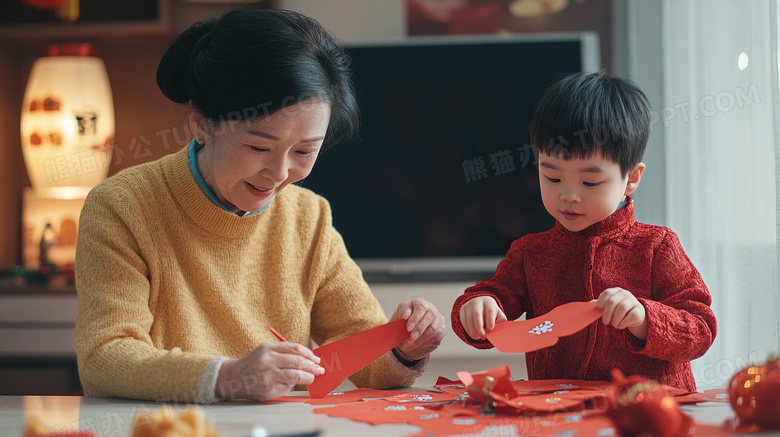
(642, 407)
(45, 4)
(488, 386)
(754, 393)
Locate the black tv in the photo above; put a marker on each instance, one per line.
(441, 178)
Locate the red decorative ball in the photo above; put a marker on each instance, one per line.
(642, 407)
(754, 393)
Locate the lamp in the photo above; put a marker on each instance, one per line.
(67, 124)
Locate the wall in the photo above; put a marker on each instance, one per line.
(367, 19)
(637, 55)
(12, 174)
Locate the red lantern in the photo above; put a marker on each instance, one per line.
(754, 393)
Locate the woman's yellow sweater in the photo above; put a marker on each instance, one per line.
(167, 281)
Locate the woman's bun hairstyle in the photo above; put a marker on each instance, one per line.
(173, 71)
(251, 63)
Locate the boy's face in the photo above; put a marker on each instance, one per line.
(581, 192)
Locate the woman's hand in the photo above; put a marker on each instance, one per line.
(425, 325)
(269, 371)
(622, 310)
(480, 315)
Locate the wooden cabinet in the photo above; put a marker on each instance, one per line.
(36, 341)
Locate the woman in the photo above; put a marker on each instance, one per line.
(184, 263)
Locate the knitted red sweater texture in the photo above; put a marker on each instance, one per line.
(544, 270)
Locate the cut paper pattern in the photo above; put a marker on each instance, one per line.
(342, 397)
(344, 357)
(540, 332)
(543, 328)
(356, 395)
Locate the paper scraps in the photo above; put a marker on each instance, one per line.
(539, 408)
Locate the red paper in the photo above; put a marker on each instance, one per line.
(714, 395)
(344, 357)
(429, 397)
(449, 386)
(342, 397)
(543, 331)
(551, 385)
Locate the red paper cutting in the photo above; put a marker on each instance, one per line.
(714, 395)
(549, 385)
(424, 397)
(344, 357)
(339, 397)
(543, 331)
(449, 386)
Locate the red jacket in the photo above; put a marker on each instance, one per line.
(544, 270)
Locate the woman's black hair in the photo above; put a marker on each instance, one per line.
(585, 113)
(251, 63)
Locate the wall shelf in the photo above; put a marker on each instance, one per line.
(95, 21)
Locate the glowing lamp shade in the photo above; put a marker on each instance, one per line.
(67, 122)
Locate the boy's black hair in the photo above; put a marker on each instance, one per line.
(585, 113)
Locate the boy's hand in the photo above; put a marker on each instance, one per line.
(480, 315)
(622, 310)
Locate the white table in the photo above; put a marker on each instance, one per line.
(113, 417)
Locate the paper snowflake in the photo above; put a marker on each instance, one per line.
(542, 328)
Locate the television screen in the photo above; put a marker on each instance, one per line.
(442, 174)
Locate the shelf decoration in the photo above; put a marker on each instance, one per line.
(67, 124)
(66, 10)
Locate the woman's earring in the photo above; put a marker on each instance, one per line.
(200, 142)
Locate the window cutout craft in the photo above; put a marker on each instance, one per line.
(344, 357)
(540, 332)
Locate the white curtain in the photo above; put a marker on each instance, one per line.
(719, 122)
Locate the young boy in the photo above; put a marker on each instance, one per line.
(589, 133)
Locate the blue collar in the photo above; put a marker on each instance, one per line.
(192, 150)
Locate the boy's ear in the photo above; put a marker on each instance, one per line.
(634, 177)
(198, 125)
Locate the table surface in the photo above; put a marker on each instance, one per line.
(113, 417)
